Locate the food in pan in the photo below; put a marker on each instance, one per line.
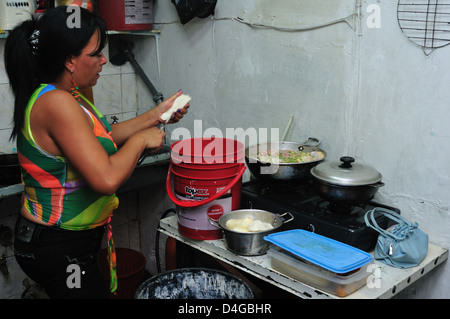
(247, 225)
(289, 156)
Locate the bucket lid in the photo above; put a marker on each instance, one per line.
(346, 173)
(207, 151)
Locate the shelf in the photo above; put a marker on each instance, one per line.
(154, 33)
(136, 32)
(11, 190)
(386, 281)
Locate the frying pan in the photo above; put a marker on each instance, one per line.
(282, 171)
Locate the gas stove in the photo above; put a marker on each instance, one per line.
(344, 223)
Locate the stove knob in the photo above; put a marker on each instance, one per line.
(311, 228)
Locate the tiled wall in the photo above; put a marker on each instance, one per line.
(6, 106)
(114, 95)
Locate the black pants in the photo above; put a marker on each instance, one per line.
(63, 262)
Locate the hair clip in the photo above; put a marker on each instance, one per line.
(34, 42)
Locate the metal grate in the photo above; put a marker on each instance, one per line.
(425, 22)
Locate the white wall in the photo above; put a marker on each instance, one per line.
(402, 128)
(364, 92)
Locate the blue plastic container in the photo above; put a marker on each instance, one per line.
(325, 252)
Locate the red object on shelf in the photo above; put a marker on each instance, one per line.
(121, 15)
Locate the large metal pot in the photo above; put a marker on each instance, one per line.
(250, 243)
(282, 171)
(346, 183)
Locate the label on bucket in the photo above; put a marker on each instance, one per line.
(215, 211)
(197, 217)
(138, 12)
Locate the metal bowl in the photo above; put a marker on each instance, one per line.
(250, 243)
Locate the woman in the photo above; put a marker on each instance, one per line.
(70, 157)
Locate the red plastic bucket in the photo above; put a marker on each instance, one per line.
(130, 271)
(126, 15)
(206, 175)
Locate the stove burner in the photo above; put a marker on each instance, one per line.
(326, 207)
(344, 223)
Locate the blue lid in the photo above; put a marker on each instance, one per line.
(325, 252)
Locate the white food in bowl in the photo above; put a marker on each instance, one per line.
(247, 225)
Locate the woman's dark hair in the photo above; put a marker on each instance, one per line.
(37, 49)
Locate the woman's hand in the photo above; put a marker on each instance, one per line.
(122, 131)
(153, 138)
(167, 104)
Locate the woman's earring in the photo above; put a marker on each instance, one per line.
(74, 90)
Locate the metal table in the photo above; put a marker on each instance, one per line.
(384, 282)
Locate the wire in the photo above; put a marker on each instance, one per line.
(282, 29)
(306, 28)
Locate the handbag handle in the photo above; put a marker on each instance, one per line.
(369, 218)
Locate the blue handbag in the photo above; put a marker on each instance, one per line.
(402, 246)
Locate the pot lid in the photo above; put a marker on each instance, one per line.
(346, 172)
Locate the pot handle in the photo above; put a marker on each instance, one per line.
(214, 222)
(286, 220)
(377, 185)
(196, 203)
(308, 141)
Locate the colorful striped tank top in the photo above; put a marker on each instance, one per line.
(55, 192)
